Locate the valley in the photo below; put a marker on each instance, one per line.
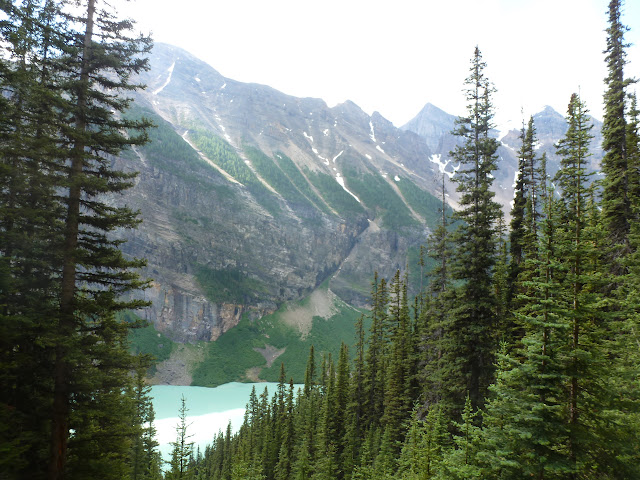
(253, 199)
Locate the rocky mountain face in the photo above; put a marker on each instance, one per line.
(435, 125)
(252, 198)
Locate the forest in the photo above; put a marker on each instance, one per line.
(519, 358)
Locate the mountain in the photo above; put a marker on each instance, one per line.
(271, 214)
(434, 126)
(252, 198)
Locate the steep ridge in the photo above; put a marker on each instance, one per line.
(435, 126)
(252, 198)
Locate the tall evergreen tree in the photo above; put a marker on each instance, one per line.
(63, 80)
(470, 333)
(551, 407)
(374, 358)
(616, 204)
(633, 155)
(435, 312)
(397, 401)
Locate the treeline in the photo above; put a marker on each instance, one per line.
(519, 360)
(71, 404)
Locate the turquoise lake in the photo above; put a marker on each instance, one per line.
(210, 411)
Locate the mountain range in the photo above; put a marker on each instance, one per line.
(252, 199)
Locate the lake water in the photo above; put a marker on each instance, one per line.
(210, 411)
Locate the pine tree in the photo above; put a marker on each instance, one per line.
(421, 453)
(397, 401)
(151, 458)
(374, 358)
(435, 312)
(462, 460)
(91, 137)
(310, 372)
(616, 203)
(633, 155)
(64, 77)
(525, 210)
(517, 230)
(29, 233)
(551, 414)
(182, 448)
(524, 424)
(470, 335)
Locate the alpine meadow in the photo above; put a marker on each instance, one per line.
(160, 223)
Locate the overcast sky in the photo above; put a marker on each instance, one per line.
(394, 56)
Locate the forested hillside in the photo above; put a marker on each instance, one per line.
(518, 357)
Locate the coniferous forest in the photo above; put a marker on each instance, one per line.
(518, 359)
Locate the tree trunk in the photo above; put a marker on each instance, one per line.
(66, 330)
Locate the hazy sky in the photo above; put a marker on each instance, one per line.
(394, 56)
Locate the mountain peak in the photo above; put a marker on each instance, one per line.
(431, 124)
(548, 111)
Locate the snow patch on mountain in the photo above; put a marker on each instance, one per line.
(170, 70)
(340, 180)
(437, 159)
(221, 127)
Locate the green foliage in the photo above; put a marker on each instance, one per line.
(65, 76)
(301, 183)
(182, 448)
(230, 357)
(277, 178)
(462, 461)
(227, 286)
(378, 195)
(331, 191)
(326, 335)
(563, 403)
(424, 203)
(616, 201)
(167, 150)
(147, 340)
(471, 329)
(223, 155)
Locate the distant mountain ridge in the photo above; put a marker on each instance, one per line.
(435, 126)
(252, 198)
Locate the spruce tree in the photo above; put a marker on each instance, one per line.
(30, 232)
(374, 358)
(463, 460)
(524, 423)
(633, 155)
(435, 312)
(556, 401)
(182, 448)
(397, 401)
(63, 82)
(616, 204)
(470, 333)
